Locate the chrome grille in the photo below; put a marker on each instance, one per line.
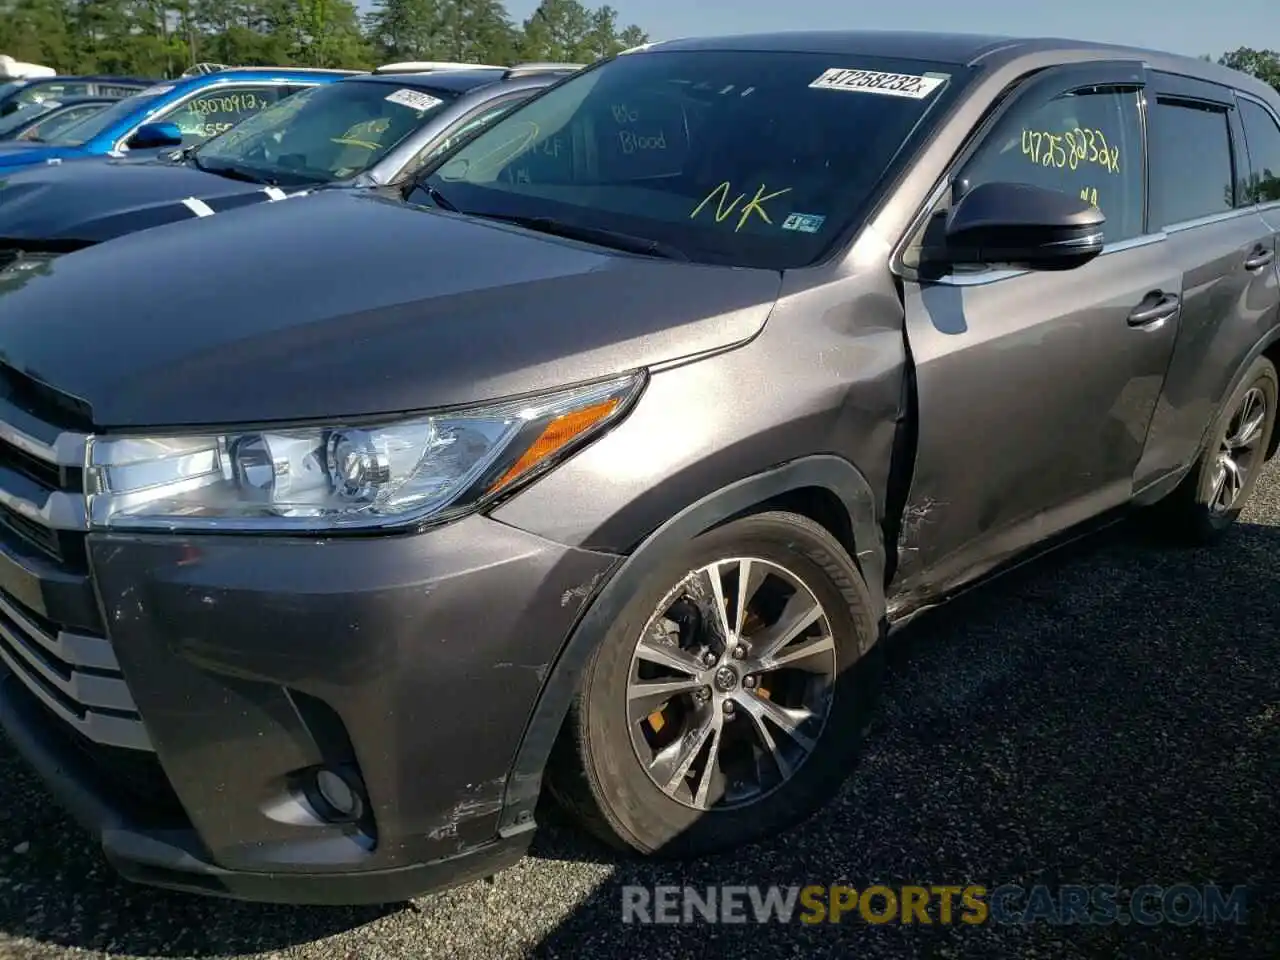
(76, 676)
(69, 665)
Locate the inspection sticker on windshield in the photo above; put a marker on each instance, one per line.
(804, 222)
(414, 98)
(872, 81)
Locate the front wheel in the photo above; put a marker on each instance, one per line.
(723, 705)
(1219, 485)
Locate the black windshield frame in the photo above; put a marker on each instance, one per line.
(913, 121)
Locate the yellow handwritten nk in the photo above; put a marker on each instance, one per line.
(755, 205)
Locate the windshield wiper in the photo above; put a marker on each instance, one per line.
(605, 238)
(232, 173)
(438, 198)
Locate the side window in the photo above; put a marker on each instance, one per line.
(113, 90)
(454, 134)
(1191, 171)
(217, 110)
(52, 91)
(1263, 137)
(1087, 143)
(59, 121)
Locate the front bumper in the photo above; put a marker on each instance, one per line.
(412, 662)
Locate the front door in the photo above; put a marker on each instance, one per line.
(1035, 389)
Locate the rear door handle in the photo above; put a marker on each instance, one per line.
(1259, 258)
(1155, 309)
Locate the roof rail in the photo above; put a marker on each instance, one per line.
(203, 69)
(200, 69)
(431, 66)
(532, 69)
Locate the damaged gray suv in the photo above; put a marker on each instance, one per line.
(601, 459)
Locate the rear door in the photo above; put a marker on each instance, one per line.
(1035, 389)
(1224, 250)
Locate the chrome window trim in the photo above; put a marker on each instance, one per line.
(1211, 218)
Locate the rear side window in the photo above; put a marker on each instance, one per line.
(58, 121)
(52, 91)
(1191, 171)
(1086, 143)
(1263, 137)
(115, 90)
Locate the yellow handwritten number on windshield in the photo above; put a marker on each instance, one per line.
(725, 209)
(1074, 148)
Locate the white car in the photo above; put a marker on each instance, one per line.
(11, 69)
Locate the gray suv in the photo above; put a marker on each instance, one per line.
(602, 459)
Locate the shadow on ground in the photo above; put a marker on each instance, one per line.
(1110, 714)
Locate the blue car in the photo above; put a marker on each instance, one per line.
(177, 113)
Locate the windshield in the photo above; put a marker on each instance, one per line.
(90, 127)
(745, 158)
(330, 132)
(8, 89)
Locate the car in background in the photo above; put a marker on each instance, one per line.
(175, 113)
(11, 69)
(37, 122)
(19, 92)
(366, 131)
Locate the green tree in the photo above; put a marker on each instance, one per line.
(566, 31)
(38, 31)
(470, 31)
(1263, 64)
(164, 37)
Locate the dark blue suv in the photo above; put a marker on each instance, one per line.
(175, 113)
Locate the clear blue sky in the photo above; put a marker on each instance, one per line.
(1182, 26)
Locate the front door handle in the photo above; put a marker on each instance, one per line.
(1259, 259)
(1155, 309)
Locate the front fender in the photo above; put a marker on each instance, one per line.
(830, 473)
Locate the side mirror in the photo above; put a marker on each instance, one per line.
(152, 135)
(1023, 226)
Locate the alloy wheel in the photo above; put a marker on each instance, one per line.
(731, 683)
(1239, 452)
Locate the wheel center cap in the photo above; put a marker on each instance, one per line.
(726, 679)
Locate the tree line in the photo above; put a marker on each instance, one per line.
(1263, 64)
(161, 38)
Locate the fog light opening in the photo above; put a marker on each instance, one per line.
(340, 796)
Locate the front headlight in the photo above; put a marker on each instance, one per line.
(341, 476)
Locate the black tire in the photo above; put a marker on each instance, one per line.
(1187, 516)
(595, 772)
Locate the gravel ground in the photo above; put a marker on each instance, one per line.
(1108, 715)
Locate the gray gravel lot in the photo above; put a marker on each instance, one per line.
(1108, 715)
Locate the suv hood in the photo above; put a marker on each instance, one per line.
(92, 202)
(345, 304)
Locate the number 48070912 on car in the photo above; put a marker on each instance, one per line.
(601, 456)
